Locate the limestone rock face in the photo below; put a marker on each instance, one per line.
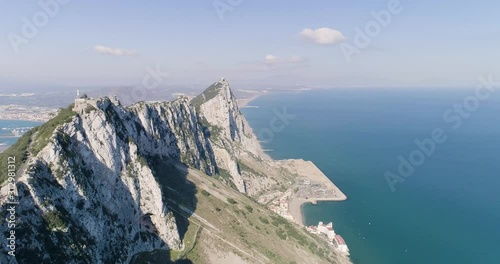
(232, 137)
(222, 111)
(91, 194)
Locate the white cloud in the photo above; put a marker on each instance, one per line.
(271, 59)
(275, 61)
(115, 52)
(323, 36)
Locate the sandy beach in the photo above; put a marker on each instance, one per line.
(243, 102)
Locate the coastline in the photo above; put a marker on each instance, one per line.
(304, 170)
(244, 102)
(297, 205)
(27, 119)
(307, 170)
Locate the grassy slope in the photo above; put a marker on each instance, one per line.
(19, 150)
(208, 94)
(45, 131)
(247, 225)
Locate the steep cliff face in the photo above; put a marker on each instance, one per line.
(92, 182)
(232, 137)
(218, 105)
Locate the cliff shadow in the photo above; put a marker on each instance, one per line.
(180, 193)
(57, 228)
(157, 257)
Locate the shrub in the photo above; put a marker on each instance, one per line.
(54, 220)
(142, 161)
(89, 109)
(281, 234)
(244, 167)
(231, 201)
(249, 208)
(278, 220)
(224, 174)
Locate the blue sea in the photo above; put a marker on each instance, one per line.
(446, 211)
(7, 126)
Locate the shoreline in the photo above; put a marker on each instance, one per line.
(301, 220)
(308, 171)
(24, 119)
(244, 102)
(305, 170)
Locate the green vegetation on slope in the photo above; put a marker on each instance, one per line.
(206, 96)
(46, 130)
(19, 150)
(214, 132)
(33, 141)
(238, 220)
(249, 229)
(225, 177)
(54, 220)
(243, 167)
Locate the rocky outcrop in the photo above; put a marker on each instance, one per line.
(232, 137)
(90, 193)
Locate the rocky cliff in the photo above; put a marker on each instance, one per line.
(92, 180)
(231, 136)
(89, 186)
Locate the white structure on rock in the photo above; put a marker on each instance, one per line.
(326, 230)
(334, 239)
(341, 245)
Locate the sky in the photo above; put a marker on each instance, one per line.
(326, 43)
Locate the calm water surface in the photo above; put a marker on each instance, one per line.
(448, 211)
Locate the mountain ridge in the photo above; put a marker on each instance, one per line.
(95, 185)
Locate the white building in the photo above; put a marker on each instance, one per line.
(330, 234)
(322, 228)
(341, 245)
(333, 238)
(326, 230)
